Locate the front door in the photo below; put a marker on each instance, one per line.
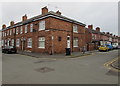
(23, 44)
(68, 41)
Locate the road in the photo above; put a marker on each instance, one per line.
(20, 69)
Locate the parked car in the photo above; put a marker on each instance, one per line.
(9, 49)
(115, 45)
(103, 48)
(118, 46)
(109, 46)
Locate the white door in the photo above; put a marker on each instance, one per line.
(68, 41)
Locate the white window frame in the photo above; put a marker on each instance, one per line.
(5, 42)
(13, 30)
(74, 40)
(7, 32)
(41, 39)
(2, 43)
(21, 30)
(75, 28)
(41, 25)
(26, 29)
(17, 42)
(31, 27)
(29, 43)
(12, 42)
(17, 30)
(10, 32)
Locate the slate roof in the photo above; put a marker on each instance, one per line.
(45, 15)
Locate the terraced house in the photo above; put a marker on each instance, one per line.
(49, 32)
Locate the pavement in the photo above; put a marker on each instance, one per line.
(22, 69)
(57, 56)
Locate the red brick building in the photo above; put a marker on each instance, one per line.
(93, 37)
(49, 32)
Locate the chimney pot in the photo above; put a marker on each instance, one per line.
(24, 17)
(58, 12)
(108, 33)
(103, 32)
(90, 26)
(3, 26)
(11, 23)
(44, 10)
(98, 29)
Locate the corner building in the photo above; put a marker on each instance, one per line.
(49, 33)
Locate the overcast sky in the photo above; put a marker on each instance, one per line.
(100, 14)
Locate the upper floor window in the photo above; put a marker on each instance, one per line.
(2, 34)
(21, 30)
(5, 33)
(26, 29)
(31, 27)
(41, 41)
(10, 32)
(75, 28)
(14, 30)
(29, 44)
(42, 25)
(93, 36)
(75, 42)
(17, 30)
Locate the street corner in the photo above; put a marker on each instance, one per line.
(81, 55)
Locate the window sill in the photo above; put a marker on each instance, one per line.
(75, 46)
(75, 32)
(42, 30)
(42, 47)
(29, 47)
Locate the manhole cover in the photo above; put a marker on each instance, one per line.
(44, 69)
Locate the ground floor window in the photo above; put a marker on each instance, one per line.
(18, 42)
(12, 43)
(75, 42)
(29, 43)
(2, 43)
(41, 43)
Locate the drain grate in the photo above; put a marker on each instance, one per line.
(44, 69)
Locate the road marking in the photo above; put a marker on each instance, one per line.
(107, 64)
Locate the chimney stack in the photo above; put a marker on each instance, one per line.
(103, 32)
(58, 12)
(44, 10)
(90, 26)
(11, 23)
(3, 26)
(98, 29)
(111, 34)
(24, 17)
(108, 33)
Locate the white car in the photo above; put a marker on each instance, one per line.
(115, 45)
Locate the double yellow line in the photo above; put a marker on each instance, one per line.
(107, 65)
